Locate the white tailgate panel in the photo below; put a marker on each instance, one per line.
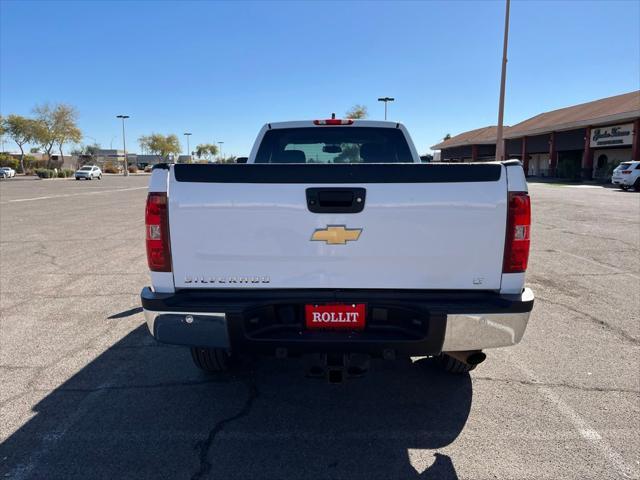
(414, 236)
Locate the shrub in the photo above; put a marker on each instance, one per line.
(7, 160)
(65, 173)
(110, 168)
(132, 169)
(45, 173)
(30, 163)
(29, 171)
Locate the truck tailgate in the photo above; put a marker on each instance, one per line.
(422, 227)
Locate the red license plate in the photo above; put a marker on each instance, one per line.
(343, 316)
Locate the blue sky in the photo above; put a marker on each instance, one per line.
(222, 69)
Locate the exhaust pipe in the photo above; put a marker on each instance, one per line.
(471, 357)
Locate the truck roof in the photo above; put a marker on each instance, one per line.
(309, 123)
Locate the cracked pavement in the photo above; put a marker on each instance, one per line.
(85, 392)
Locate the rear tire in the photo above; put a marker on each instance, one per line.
(452, 365)
(636, 185)
(211, 360)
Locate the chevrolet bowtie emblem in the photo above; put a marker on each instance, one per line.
(336, 234)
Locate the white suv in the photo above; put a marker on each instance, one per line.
(7, 172)
(89, 172)
(627, 175)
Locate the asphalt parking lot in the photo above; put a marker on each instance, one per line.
(85, 392)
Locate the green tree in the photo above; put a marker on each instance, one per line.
(163, 146)
(447, 136)
(45, 129)
(22, 130)
(56, 125)
(3, 130)
(358, 111)
(206, 151)
(66, 130)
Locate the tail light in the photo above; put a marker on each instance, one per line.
(156, 221)
(626, 172)
(333, 121)
(516, 247)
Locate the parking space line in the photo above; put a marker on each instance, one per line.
(71, 195)
(591, 435)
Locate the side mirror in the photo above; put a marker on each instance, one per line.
(242, 159)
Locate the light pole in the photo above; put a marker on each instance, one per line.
(124, 145)
(220, 152)
(499, 140)
(386, 100)
(188, 134)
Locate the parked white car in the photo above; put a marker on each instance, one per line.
(627, 175)
(89, 172)
(7, 172)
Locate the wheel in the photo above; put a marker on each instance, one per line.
(624, 187)
(89, 177)
(210, 360)
(100, 177)
(636, 185)
(451, 365)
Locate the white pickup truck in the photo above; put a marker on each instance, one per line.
(333, 240)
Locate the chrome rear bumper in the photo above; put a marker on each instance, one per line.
(460, 328)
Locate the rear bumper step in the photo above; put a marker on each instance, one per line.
(410, 322)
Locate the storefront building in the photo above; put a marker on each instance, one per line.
(583, 141)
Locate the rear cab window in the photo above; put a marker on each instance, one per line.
(334, 145)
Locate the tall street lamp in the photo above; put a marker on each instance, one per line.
(188, 134)
(124, 145)
(220, 152)
(386, 100)
(499, 140)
